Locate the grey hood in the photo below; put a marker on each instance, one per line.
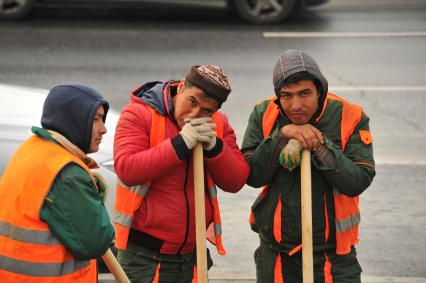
(295, 61)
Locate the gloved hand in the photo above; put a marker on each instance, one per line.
(189, 134)
(205, 130)
(101, 184)
(290, 155)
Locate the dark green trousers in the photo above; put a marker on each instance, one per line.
(327, 264)
(141, 265)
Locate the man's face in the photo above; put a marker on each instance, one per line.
(299, 101)
(191, 102)
(98, 130)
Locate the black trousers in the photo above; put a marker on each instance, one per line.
(272, 266)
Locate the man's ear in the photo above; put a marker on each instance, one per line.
(180, 86)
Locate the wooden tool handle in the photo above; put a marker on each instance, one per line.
(115, 268)
(200, 212)
(306, 203)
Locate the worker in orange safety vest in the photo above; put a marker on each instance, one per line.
(303, 115)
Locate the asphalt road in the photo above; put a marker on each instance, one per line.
(372, 52)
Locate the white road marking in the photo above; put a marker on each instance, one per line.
(401, 162)
(248, 278)
(344, 34)
(377, 88)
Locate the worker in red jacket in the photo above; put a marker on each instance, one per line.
(154, 209)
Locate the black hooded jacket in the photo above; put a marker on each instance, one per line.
(70, 109)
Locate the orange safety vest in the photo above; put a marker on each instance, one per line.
(346, 208)
(129, 199)
(29, 251)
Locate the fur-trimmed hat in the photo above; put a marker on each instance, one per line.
(211, 79)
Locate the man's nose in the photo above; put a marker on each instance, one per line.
(104, 129)
(296, 103)
(195, 112)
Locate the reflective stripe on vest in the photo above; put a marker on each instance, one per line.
(28, 249)
(129, 199)
(346, 208)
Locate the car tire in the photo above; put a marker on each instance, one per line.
(264, 11)
(15, 9)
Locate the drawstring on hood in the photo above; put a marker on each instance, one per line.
(70, 110)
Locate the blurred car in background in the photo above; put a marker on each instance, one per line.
(254, 11)
(21, 108)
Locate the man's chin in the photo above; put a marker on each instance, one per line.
(94, 149)
(298, 121)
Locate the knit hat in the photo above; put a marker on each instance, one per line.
(212, 80)
(293, 62)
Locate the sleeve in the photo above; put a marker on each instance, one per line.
(261, 154)
(355, 167)
(135, 161)
(76, 214)
(228, 168)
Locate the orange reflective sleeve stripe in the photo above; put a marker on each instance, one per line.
(277, 221)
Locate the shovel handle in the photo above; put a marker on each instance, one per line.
(115, 268)
(306, 204)
(200, 212)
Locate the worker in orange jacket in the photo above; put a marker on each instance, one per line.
(53, 223)
(304, 115)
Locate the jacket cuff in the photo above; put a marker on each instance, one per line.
(280, 141)
(215, 150)
(325, 158)
(182, 151)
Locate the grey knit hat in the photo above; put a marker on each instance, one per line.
(212, 80)
(295, 61)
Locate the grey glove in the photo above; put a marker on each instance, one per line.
(290, 155)
(205, 130)
(190, 135)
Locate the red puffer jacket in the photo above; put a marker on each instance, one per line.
(168, 212)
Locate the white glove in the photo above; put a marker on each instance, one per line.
(290, 155)
(190, 135)
(206, 133)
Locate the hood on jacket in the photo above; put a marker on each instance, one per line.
(152, 93)
(70, 109)
(293, 62)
